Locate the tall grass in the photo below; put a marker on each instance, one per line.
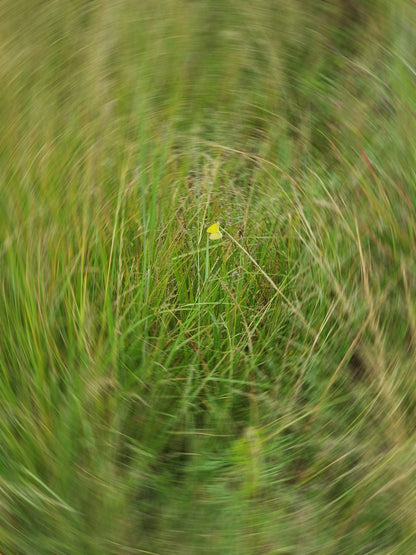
(163, 393)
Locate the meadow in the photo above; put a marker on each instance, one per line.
(164, 393)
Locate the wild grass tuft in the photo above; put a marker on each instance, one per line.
(163, 393)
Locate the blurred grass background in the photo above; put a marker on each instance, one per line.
(165, 394)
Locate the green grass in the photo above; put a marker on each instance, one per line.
(163, 393)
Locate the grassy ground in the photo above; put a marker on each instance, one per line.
(163, 393)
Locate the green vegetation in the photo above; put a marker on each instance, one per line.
(163, 393)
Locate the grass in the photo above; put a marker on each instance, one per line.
(163, 393)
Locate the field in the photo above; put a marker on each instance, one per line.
(164, 393)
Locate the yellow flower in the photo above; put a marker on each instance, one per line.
(214, 232)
